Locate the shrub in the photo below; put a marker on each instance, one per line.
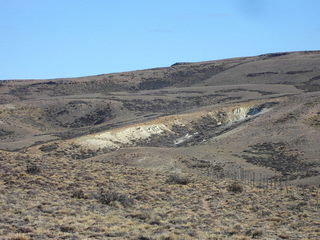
(257, 233)
(178, 179)
(17, 237)
(235, 187)
(48, 148)
(33, 169)
(78, 194)
(66, 229)
(144, 238)
(108, 197)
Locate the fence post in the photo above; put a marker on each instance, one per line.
(260, 180)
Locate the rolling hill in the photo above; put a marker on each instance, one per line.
(100, 157)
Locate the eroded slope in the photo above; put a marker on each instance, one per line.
(149, 154)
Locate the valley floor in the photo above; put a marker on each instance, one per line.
(58, 198)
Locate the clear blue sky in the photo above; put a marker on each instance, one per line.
(68, 38)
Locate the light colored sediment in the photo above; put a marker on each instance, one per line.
(115, 138)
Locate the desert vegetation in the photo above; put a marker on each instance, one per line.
(224, 149)
(83, 199)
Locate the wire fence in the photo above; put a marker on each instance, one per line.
(257, 179)
(250, 177)
(262, 181)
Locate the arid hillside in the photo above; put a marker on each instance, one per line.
(155, 154)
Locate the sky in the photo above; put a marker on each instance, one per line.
(42, 39)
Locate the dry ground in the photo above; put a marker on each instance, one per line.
(148, 154)
(50, 198)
